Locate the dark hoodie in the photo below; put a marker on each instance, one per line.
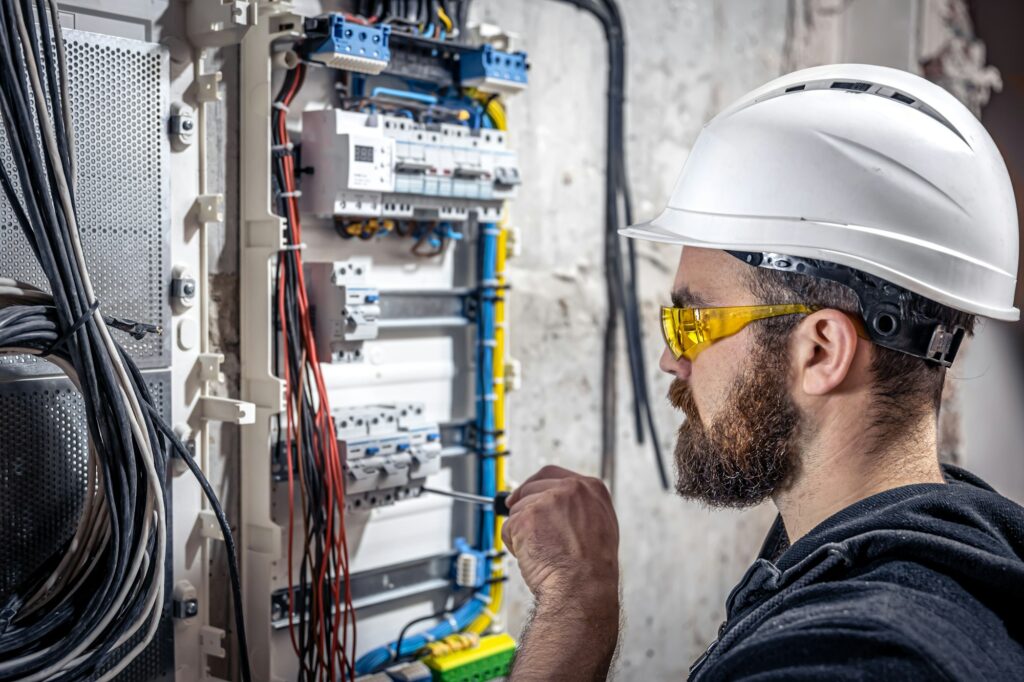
(923, 582)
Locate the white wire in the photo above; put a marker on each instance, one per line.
(155, 509)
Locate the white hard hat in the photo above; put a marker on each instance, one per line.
(865, 166)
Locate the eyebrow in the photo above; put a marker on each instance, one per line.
(683, 297)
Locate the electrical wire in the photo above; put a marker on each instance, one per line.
(324, 638)
(620, 274)
(97, 602)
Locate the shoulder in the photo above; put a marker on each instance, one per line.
(852, 630)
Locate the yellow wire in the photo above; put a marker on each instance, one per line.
(496, 111)
(445, 19)
(483, 621)
(493, 106)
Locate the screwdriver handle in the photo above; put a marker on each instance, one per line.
(501, 503)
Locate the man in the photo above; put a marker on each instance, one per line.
(842, 226)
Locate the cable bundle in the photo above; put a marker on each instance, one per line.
(324, 637)
(97, 602)
(620, 275)
(431, 17)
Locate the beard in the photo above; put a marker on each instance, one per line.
(750, 450)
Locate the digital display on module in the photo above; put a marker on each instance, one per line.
(364, 154)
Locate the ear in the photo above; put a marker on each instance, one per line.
(823, 348)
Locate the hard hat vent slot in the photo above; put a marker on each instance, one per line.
(847, 85)
(795, 88)
(900, 97)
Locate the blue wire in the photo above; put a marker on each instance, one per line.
(486, 329)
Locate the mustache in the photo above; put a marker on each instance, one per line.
(681, 398)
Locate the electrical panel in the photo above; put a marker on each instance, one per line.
(376, 179)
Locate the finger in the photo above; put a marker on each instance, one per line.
(547, 472)
(526, 503)
(531, 488)
(506, 537)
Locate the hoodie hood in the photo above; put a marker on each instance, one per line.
(963, 530)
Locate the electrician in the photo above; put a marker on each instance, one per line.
(843, 227)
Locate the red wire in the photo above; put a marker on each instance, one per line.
(326, 456)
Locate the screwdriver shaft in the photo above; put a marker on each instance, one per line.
(465, 497)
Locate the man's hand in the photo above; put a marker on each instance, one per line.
(563, 531)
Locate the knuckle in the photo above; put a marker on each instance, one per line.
(548, 471)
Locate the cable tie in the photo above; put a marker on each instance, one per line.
(482, 598)
(492, 231)
(487, 342)
(490, 614)
(280, 106)
(79, 323)
(287, 147)
(290, 195)
(489, 283)
(490, 397)
(429, 636)
(494, 455)
(137, 330)
(293, 247)
(454, 623)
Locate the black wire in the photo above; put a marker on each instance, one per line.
(434, 616)
(35, 198)
(621, 281)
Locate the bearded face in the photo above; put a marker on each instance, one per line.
(749, 449)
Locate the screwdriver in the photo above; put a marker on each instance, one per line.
(498, 502)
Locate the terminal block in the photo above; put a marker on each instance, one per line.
(470, 566)
(342, 44)
(346, 308)
(488, 660)
(494, 71)
(388, 452)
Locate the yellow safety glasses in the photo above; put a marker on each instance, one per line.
(688, 331)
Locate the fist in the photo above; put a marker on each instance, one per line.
(563, 532)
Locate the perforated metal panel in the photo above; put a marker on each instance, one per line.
(42, 486)
(118, 92)
(43, 459)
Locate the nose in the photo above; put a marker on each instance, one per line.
(680, 368)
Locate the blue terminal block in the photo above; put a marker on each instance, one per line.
(491, 70)
(346, 45)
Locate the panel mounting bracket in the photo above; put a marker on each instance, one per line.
(211, 408)
(210, 208)
(209, 367)
(207, 87)
(206, 524)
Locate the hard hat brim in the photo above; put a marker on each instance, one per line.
(687, 228)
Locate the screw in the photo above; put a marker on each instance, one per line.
(188, 289)
(186, 124)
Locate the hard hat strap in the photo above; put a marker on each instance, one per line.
(889, 316)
